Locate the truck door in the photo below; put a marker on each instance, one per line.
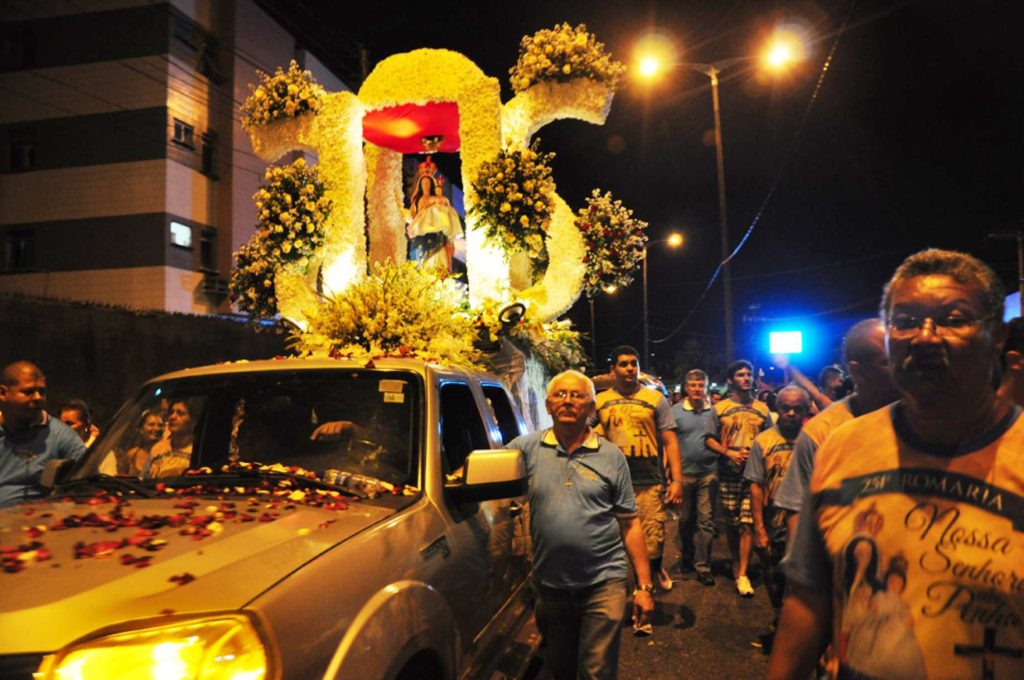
(481, 533)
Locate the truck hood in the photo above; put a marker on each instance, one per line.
(57, 597)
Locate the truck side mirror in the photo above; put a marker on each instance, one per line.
(490, 474)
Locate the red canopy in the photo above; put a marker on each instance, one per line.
(400, 128)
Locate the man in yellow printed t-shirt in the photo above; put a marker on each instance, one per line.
(639, 421)
(737, 420)
(909, 554)
(769, 458)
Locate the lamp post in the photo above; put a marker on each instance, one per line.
(674, 241)
(711, 71)
(783, 49)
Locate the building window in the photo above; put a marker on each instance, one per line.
(22, 155)
(18, 48)
(209, 166)
(208, 63)
(181, 235)
(208, 251)
(184, 134)
(20, 250)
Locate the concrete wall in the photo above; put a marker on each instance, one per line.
(102, 354)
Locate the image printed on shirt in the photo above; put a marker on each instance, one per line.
(927, 586)
(629, 424)
(739, 424)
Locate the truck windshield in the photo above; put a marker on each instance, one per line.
(332, 422)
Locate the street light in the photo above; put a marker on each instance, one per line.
(674, 240)
(785, 47)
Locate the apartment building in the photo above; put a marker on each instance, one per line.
(125, 175)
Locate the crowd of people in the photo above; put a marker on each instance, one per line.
(885, 504)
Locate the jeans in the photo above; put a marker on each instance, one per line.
(582, 629)
(696, 519)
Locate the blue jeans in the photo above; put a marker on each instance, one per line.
(582, 629)
(696, 519)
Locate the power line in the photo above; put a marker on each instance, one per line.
(775, 182)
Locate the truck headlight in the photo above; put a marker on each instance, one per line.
(225, 647)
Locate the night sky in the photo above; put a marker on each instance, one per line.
(915, 139)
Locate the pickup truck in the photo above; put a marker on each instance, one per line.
(294, 519)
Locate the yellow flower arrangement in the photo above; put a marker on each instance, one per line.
(285, 94)
(514, 200)
(563, 53)
(397, 310)
(253, 279)
(291, 210)
(614, 242)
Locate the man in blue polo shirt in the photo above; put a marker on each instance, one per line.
(694, 416)
(583, 521)
(29, 437)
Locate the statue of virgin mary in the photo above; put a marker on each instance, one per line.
(433, 223)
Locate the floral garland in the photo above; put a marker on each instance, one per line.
(285, 94)
(514, 199)
(398, 310)
(291, 209)
(560, 54)
(614, 242)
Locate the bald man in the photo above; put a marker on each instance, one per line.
(1012, 386)
(29, 437)
(864, 355)
(765, 469)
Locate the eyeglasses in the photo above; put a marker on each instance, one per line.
(572, 395)
(951, 324)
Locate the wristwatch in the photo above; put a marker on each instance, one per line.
(644, 588)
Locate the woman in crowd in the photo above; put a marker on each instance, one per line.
(170, 457)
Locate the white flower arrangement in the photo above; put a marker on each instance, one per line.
(562, 281)
(431, 75)
(385, 212)
(561, 73)
(581, 98)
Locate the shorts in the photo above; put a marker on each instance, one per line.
(735, 496)
(650, 507)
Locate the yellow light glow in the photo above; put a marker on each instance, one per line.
(610, 289)
(341, 272)
(220, 648)
(675, 240)
(649, 66)
(653, 54)
(169, 660)
(786, 47)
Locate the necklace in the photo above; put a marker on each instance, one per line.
(569, 465)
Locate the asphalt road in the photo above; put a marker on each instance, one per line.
(699, 631)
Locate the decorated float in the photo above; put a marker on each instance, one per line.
(340, 255)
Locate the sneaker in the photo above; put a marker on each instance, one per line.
(645, 630)
(705, 578)
(664, 580)
(743, 587)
